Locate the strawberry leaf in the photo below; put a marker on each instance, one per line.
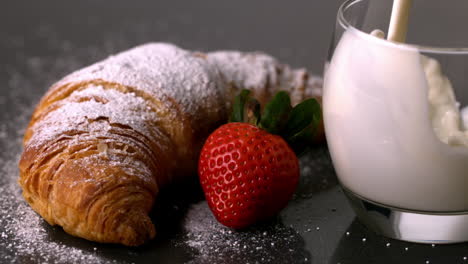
(276, 113)
(303, 125)
(304, 140)
(237, 114)
(298, 126)
(302, 115)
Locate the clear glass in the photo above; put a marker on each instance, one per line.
(393, 127)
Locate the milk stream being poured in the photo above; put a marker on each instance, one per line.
(394, 127)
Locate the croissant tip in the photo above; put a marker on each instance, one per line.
(137, 232)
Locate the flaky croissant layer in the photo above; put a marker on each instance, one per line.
(105, 139)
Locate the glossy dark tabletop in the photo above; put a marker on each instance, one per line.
(40, 41)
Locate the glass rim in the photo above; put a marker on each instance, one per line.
(421, 48)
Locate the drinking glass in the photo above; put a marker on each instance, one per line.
(394, 130)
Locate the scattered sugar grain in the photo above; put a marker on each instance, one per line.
(25, 236)
(213, 242)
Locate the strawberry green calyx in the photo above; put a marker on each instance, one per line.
(276, 113)
(303, 124)
(297, 125)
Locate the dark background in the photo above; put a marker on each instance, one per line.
(40, 41)
(296, 32)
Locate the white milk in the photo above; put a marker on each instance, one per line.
(379, 125)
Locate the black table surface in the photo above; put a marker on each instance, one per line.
(43, 40)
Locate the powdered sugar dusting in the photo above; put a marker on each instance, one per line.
(297, 235)
(119, 108)
(264, 75)
(25, 238)
(215, 243)
(163, 70)
(250, 70)
(24, 235)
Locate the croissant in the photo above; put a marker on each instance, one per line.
(104, 140)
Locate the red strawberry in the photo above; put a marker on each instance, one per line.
(247, 173)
